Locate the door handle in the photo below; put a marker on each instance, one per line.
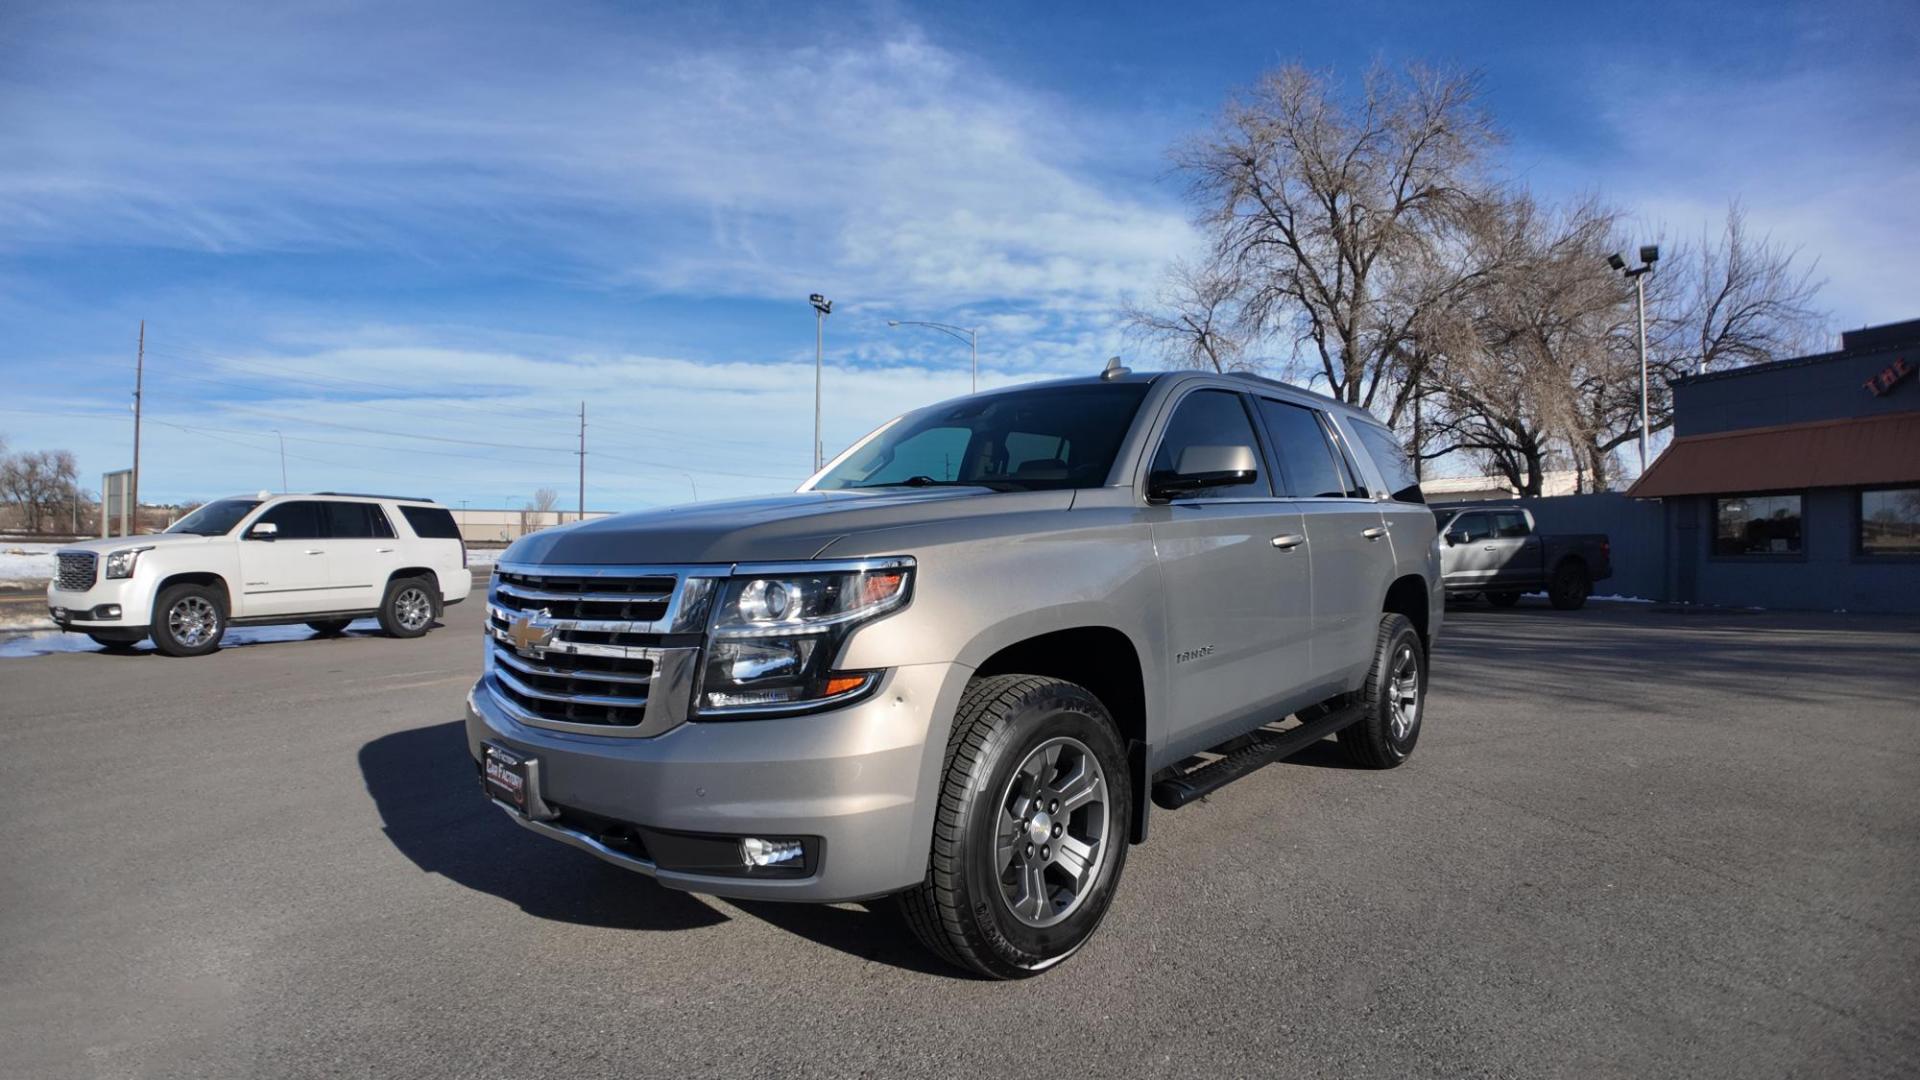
(1489, 547)
(315, 551)
(1374, 533)
(1288, 541)
(383, 551)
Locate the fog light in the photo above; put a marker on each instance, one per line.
(108, 611)
(757, 852)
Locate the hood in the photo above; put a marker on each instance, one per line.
(121, 543)
(773, 528)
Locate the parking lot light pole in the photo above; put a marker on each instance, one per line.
(966, 334)
(1649, 254)
(822, 307)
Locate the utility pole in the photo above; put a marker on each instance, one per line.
(283, 461)
(582, 515)
(822, 307)
(139, 384)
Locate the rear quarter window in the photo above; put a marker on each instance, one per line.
(1391, 459)
(431, 522)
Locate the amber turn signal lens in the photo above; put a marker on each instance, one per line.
(840, 684)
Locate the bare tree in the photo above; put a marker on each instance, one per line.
(1734, 301)
(1336, 220)
(544, 500)
(41, 483)
(1192, 320)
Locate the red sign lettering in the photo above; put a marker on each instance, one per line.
(1888, 377)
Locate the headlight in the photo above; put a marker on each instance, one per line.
(120, 563)
(777, 629)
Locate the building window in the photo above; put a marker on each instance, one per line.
(1756, 525)
(1890, 522)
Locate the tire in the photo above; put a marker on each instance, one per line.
(996, 846)
(409, 608)
(1385, 734)
(1570, 587)
(329, 627)
(189, 620)
(1503, 599)
(116, 640)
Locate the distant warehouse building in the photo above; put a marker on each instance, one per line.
(1796, 484)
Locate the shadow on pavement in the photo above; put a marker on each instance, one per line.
(422, 781)
(430, 805)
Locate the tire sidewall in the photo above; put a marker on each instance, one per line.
(1054, 712)
(162, 632)
(1399, 750)
(1571, 588)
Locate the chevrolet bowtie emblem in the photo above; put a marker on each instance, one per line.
(531, 634)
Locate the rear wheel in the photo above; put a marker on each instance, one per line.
(1503, 599)
(189, 620)
(329, 627)
(409, 607)
(1570, 587)
(1031, 831)
(1393, 700)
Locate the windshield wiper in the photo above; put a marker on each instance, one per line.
(928, 481)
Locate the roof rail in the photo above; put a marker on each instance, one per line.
(369, 495)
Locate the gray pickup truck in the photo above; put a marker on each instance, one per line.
(1495, 551)
(957, 663)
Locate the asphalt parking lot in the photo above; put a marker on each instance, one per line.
(1631, 844)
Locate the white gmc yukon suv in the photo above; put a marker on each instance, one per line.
(323, 559)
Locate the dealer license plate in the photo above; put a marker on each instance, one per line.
(505, 776)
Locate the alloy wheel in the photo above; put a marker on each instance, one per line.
(412, 609)
(192, 620)
(1403, 689)
(1051, 841)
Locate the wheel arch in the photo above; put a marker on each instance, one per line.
(1408, 596)
(204, 578)
(1106, 662)
(426, 572)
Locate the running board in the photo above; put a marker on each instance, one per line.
(1270, 747)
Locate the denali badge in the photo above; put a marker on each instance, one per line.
(531, 634)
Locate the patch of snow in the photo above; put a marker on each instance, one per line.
(26, 564)
(1618, 599)
(483, 556)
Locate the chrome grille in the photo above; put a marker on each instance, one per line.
(78, 570)
(620, 656)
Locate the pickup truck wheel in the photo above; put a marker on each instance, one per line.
(189, 620)
(1503, 599)
(1031, 830)
(1393, 700)
(1570, 587)
(329, 627)
(409, 608)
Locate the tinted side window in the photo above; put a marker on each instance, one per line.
(349, 521)
(431, 522)
(1474, 527)
(1301, 444)
(296, 520)
(1391, 460)
(1210, 418)
(1509, 524)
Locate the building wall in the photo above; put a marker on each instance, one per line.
(1827, 576)
(496, 526)
(1830, 386)
(1636, 528)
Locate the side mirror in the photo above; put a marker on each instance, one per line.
(1455, 538)
(1205, 467)
(263, 530)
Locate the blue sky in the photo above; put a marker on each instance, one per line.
(411, 239)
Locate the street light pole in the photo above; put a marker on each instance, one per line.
(968, 334)
(1649, 254)
(822, 307)
(283, 461)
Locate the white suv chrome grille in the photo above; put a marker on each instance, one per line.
(78, 570)
(608, 650)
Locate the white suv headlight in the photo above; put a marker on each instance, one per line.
(120, 563)
(777, 629)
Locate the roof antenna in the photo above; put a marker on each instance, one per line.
(1115, 369)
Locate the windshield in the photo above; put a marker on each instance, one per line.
(217, 518)
(1026, 440)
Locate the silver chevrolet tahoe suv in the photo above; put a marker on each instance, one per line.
(959, 661)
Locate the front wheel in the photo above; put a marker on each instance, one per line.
(1392, 701)
(408, 608)
(1031, 831)
(189, 620)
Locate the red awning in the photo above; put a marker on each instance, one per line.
(1829, 453)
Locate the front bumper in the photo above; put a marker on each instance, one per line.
(88, 609)
(860, 783)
